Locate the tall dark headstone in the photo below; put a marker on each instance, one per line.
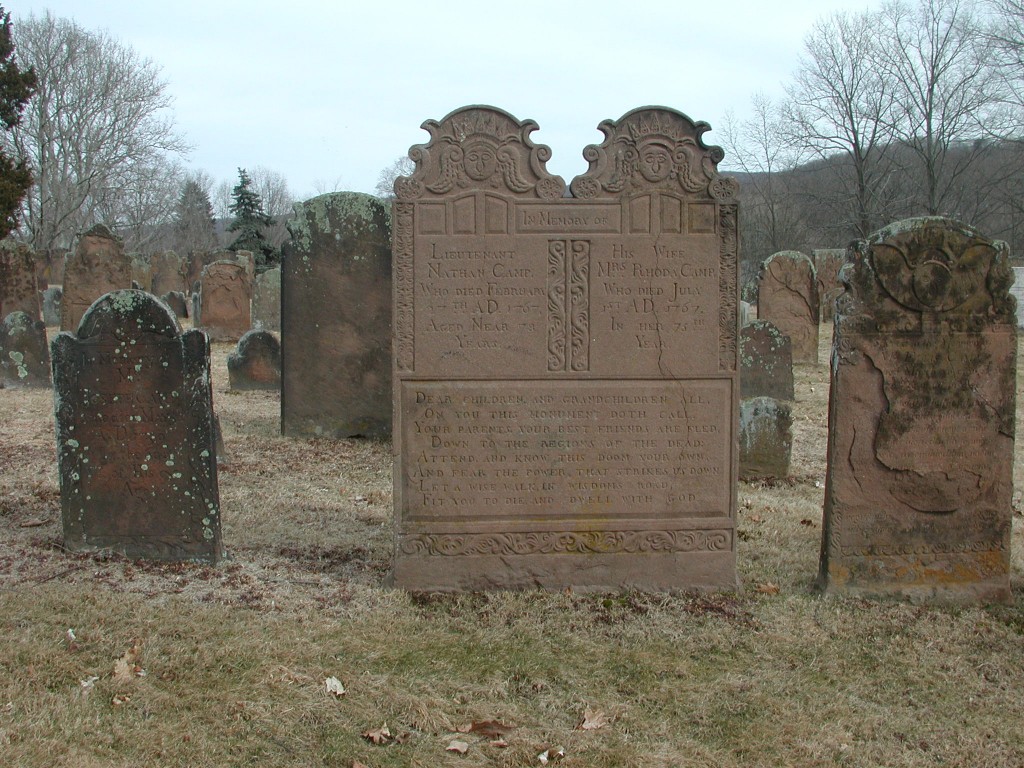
(336, 318)
(921, 417)
(24, 355)
(566, 380)
(135, 439)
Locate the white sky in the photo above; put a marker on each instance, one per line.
(329, 93)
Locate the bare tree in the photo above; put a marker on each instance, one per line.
(841, 108)
(949, 94)
(272, 188)
(402, 166)
(142, 205)
(98, 124)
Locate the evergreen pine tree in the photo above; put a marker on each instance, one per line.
(16, 87)
(193, 220)
(249, 222)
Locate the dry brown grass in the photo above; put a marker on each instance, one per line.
(235, 657)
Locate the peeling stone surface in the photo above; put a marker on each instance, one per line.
(266, 301)
(256, 363)
(766, 438)
(24, 355)
(787, 295)
(98, 266)
(336, 318)
(921, 417)
(225, 301)
(19, 290)
(566, 374)
(135, 436)
(766, 362)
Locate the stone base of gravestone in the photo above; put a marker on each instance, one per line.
(24, 355)
(256, 363)
(766, 438)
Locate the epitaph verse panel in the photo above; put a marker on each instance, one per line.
(565, 366)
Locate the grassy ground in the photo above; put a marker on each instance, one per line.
(110, 662)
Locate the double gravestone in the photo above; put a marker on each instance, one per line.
(98, 266)
(787, 295)
(565, 371)
(135, 438)
(921, 417)
(336, 318)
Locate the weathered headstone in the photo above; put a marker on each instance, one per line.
(168, 273)
(766, 438)
(135, 435)
(266, 301)
(142, 273)
(566, 380)
(225, 296)
(98, 266)
(766, 362)
(52, 298)
(787, 295)
(24, 355)
(177, 302)
(256, 363)
(18, 286)
(827, 263)
(336, 318)
(921, 417)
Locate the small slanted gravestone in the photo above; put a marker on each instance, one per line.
(98, 266)
(787, 294)
(827, 263)
(266, 301)
(18, 285)
(176, 301)
(24, 355)
(225, 296)
(336, 318)
(766, 438)
(256, 364)
(921, 417)
(52, 298)
(766, 361)
(135, 437)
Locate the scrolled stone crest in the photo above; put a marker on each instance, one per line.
(479, 147)
(654, 148)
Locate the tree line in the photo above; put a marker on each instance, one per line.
(912, 109)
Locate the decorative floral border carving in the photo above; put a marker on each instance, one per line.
(404, 285)
(559, 543)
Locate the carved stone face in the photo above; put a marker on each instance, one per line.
(480, 160)
(655, 162)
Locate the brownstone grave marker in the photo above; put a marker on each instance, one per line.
(135, 441)
(98, 266)
(19, 290)
(225, 296)
(921, 417)
(566, 383)
(787, 295)
(256, 363)
(827, 263)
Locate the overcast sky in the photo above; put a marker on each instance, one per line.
(329, 93)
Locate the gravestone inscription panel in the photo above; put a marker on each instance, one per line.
(921, 417)
(135, 440)
(566, 381)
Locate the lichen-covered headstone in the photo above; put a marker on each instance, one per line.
(142, 272)
(18, 285)
(168, 273)
(336, 318)
(766, 438)
(266, 301)
(787, 295)
(566, 380)
(52, 298)
(827, 263)
(921, 417)
(24, 354)
(98, 266)
(135, 439)
(766, 362)
(225, 301)
(256, 363)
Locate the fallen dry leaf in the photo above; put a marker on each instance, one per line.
(35, 523)
(378, 735)
(767, 588)
(551, 755)
(499, 743)
(71, 640)
(809, 523)
(126, 669)
(490, 729)
(334, 687)
(119, 699)
(457, 746)
(592, 720)
(357, 764)
(756, 519)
